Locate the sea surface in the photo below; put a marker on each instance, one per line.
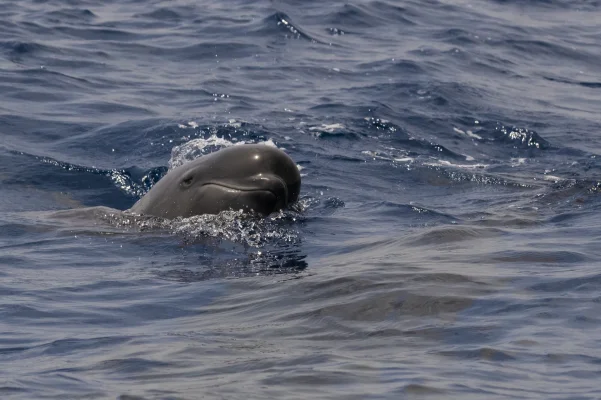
(447, 242)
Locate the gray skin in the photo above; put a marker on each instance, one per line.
(246, 177)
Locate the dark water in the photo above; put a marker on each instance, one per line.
(447, 240)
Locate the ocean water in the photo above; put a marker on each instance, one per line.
(446, 243)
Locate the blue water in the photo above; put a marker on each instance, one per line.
(446, 244)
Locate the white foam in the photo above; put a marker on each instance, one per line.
(445, 163)
(517, 161)
(195, 148)
(327, 127)
(376, 155)
(467, 133)
(552, 178)
(237, 227)
(234, 124)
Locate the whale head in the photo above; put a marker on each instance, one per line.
(249, 177)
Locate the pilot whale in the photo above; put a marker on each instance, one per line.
(250, 177)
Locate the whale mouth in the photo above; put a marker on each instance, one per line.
(247, 197)
(234, 188)
(271, 183)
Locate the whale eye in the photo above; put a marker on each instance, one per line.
(187, 181)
